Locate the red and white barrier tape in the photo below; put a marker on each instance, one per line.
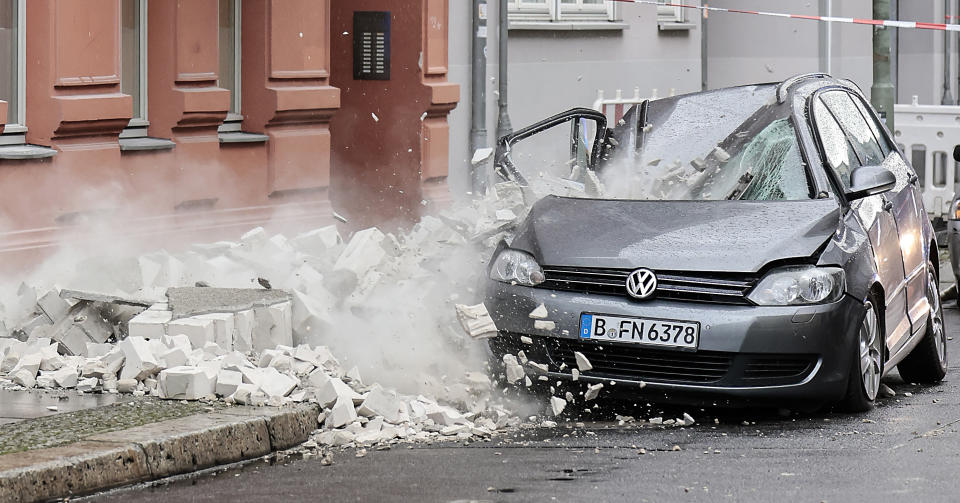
(826, 19)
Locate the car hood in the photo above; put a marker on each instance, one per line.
(722, 236)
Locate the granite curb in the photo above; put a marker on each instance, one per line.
(153, 451)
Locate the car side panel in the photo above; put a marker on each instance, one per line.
(885, 242)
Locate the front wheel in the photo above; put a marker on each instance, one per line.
(927, 363)
(867, 365)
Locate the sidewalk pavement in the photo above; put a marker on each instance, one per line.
(73, 453)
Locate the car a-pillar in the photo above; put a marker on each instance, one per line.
(390, 136)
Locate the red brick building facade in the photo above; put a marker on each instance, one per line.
(211, 116)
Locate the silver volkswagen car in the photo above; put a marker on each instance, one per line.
(763, 244)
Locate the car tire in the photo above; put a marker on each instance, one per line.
(927, 363)
(866, 364)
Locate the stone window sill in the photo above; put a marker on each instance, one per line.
(25, 151)
(568, 26)
(674, 26)
(241, 137)
(145, 143)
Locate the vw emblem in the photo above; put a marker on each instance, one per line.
(641, 283)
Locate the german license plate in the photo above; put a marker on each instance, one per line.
(647, 331)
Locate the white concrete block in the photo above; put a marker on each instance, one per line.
(275, 384)
(228, 381)
(198, 330)
(49, 358)
(67, 377)
(380, 402)
(244, 393)
(341, 414)
(186, 383)
(245, 323)
(127, 385)
(95, 350)
(317, 378)
(30, 361)
(334, 389)
(45, 380)
(52, 305)
(174, 357)
(23, 377)
(149, 324)
(273, 326)
(318, 241)
(363, 253)
(310, 317)
(88, 384)
(223, 328)
(177, 341)
(140, 361)
(582, 362)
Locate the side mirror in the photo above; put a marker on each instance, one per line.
(956, 153)
(503, 163)
(870, 181)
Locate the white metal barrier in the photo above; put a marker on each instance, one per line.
(615, 107)
(927, 135)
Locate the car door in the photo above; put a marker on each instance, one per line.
(909, 213)
(840, 149)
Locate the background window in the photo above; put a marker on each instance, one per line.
(230, 51)
(133, 78)
(669, 14)
(11, 60)
(562, 10)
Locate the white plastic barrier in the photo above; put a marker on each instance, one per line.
(927, 135)
(615, 107)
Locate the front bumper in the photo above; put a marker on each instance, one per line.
(746, 355)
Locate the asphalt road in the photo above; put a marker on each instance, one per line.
(907, 448)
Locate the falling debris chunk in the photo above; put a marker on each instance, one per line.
(575, 373)
(375, 118)
(544, 325)
(557, 405)
(582, 362)
(513, 369)
(886, 392)
(540, 313)
(593, 391)
(688, 419)
(526, 340)
(476, 321)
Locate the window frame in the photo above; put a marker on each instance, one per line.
(233, 122)
(670, 14)
(555, 11)
(137, 127)
(15, 133)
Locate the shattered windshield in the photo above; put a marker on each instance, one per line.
(732, 144)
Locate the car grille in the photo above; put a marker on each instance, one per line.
(629, 362)
(778, 367)
(686, 286)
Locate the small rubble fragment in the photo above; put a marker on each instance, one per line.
(582, 362)
(540, 313)
(476, 321)
(557, 405)
(593, 391)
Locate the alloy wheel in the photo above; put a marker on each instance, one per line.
(870, 352)
(936, 318)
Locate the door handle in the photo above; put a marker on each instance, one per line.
(887, 205)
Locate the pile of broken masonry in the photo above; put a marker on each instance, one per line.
(189, 326)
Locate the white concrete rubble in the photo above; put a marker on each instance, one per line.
(582, 362)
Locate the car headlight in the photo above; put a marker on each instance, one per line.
(799, 285)
(513, 266)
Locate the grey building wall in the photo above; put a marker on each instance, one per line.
(744, 48)
(551, 71)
